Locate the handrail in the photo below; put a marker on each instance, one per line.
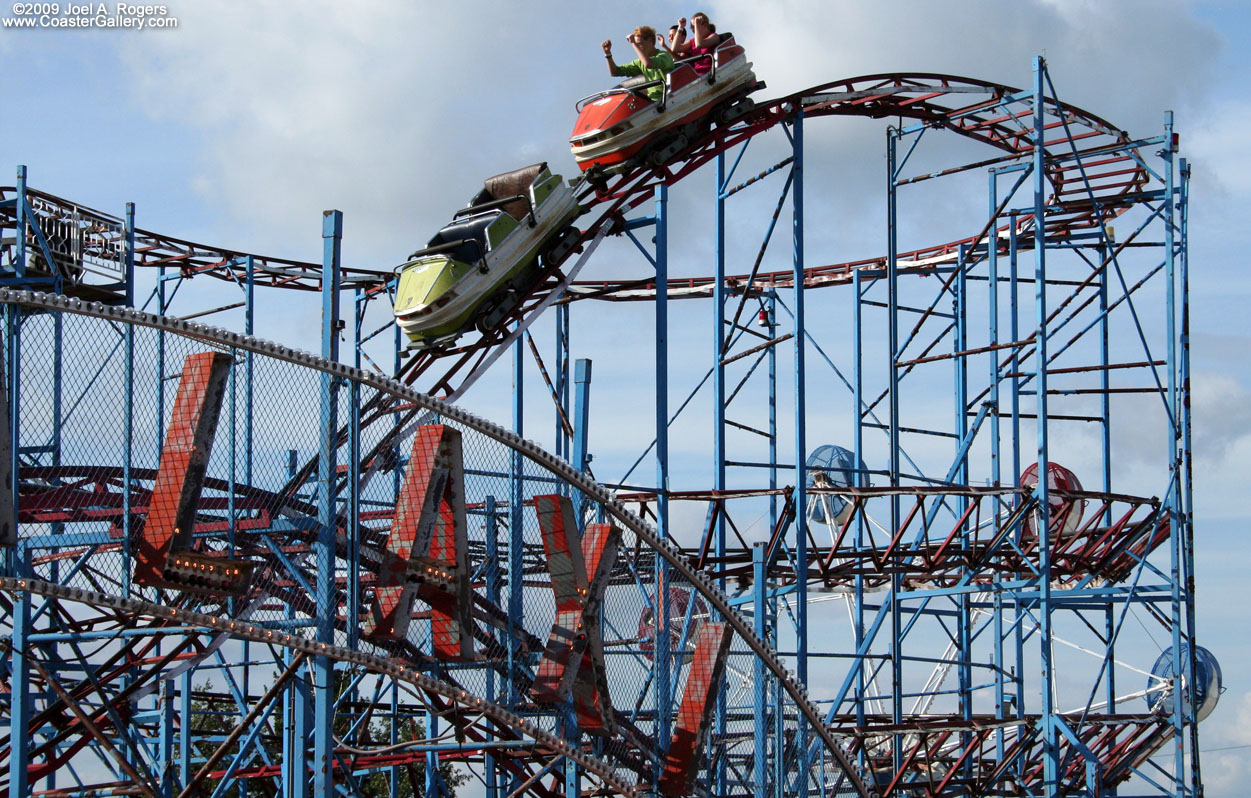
(499, 203)
(580, 104)
(440, 248)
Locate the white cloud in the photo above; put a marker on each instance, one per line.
(1240, 733)
(1222, 446)
(1218, 149)
(1222, 416)
(1106, 56)
(1226, 772)
(393, 111)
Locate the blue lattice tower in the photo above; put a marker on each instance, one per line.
(962, 584)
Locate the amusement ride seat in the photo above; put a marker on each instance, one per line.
(472, 231)
(510, 184)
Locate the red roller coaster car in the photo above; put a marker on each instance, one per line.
(621, 127)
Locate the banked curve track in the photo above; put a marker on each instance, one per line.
(992, 114)
(1090, 184)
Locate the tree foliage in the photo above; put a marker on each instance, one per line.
(215, 715)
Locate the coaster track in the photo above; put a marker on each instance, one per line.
(1095, 173)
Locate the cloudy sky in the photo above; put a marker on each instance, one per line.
(240, 125)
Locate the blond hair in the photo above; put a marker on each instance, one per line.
(647, 32)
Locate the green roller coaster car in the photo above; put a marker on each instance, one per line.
(477, 269)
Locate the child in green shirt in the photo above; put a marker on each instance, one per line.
(651, 63)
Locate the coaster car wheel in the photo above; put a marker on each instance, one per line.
(561, 245)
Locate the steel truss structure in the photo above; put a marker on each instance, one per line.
(236, 567)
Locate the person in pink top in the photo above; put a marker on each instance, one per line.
(703, 42)
(677, 37)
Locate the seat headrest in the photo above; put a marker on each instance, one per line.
(510, 184)
(473, 228)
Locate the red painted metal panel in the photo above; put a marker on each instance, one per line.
(180, 476)
(392, 607)
(426, 554)
(562, 657)
(573, 660)
(446, 584)
(599, 552)
(712, 646)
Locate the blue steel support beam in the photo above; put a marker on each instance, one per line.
(801, 436)
(718, 354)
(327, 509)
(32, 226)
(581, 414)
(1187, 508)
(232, 519)
(960, 371)
(11, 390)
(563, 443)
(776, 701)
(393, 736)
(860, 480)
(184, 730)
(21, 703)
(516, 565)
(662, 365)
(573, 776)
(247, 746)
(20, 223)
(1051, 748)
(892, 324)
(1014, 334)
(760, 730)
(1182, 676)
(352, 517)
(494, 588)
(249, 326)
(393, 773)
(165, 764)
(432, 730)
(960, 469)
(1105, 430)
(129, 253)
(718, 422)
(1105, 400)
(58, 394)
(660, 660)
(162, 302)
(992, 359)
(1093, 770)
(1014, 367)
(397, 347)
(581, 457)
(128, 414)
(770, 311)
(295, 719)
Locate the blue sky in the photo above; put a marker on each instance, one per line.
(239, 126)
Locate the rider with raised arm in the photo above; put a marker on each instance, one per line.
(703, 42)
(677, 37)
(652, 64)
